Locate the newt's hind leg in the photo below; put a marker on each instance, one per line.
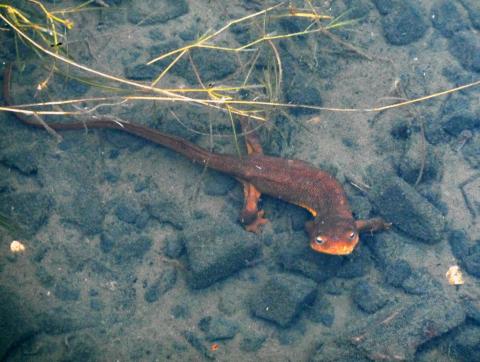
(251, 216)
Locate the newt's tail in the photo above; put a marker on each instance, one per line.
(224, 163)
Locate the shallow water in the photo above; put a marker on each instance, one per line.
(133, 252)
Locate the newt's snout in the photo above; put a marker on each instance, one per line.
(335, 237)
(337, 246)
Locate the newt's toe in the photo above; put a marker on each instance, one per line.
(254, 224)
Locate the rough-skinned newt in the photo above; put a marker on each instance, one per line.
(333, 229)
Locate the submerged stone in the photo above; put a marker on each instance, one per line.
(401, 204)
(218, 328)
(27, 210)
(465, 46)
(217, 252)
(151, 12)
(282, 298)
(161, 285)
(368, 297)
(397, 331)
(403, 21)
(447, 17)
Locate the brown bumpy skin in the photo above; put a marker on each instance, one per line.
(333, 229)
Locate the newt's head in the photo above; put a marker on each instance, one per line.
(337, 236)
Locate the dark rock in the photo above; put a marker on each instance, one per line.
(216, 252)
(458, 114)
(161, 285)
(473, 10)
(82, 348)
(29, 210)
(465, 344)
(298, 217)
(143, 71)
(458, 76)
(162, 48)
(122, 242)
(447, 18)
(197, 343)
(157, 35)
(334, 286)
(189, 35)
(397, 272)
(252, 342)
(416, 159)
(113, 154)
(459, 243)
(65, 291)
(86, 211)
(354, 265)
(335, 350)
(292, 336)
(358, 9)
(152, 12)
(368, 297)
(211, 65)
(181, 311)
(435, 134)
(321, 311)
(126, 210)
(472, 308)
(24, 159)
(471, 261)
(16, 320)
(420, 282)
(386, 247)
(112, 233)
(397, 331)
(466, 251)
(60, 320)
(218, 328)
(384, 6)
(403, 21)
(167, 210)
(459, 121)
(141, 185)
(74, 88)
(282, 298)
(173, 247)
(294, 254)
(434, 195)
(302, 92)
(471, 151)
(96, 304)
(292, 25)
(45, 278)
(399, 203)
(465, 46)
(361, 206)
(112, 175)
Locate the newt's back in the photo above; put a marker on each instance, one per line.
(297, 182)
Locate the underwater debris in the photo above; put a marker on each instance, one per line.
(454, 275)
(17, 247)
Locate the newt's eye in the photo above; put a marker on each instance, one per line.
(352, 235)
(319, 240)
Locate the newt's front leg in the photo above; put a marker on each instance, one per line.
(251, 216)
(372, 225)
